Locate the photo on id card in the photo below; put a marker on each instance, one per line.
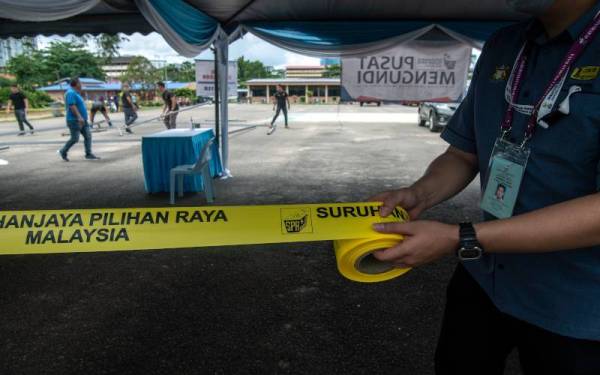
(505, 173)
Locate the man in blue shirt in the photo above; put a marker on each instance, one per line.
(531, 281)
(77, 121)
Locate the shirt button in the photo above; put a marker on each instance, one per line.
(500, 266)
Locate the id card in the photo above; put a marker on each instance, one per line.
(504, 176)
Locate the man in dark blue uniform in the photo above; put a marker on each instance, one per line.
(281, 104)
(530, 280)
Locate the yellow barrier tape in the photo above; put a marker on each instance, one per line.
(91, 230)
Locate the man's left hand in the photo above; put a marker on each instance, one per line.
(424, 242)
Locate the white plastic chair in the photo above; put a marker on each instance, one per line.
(201, 167)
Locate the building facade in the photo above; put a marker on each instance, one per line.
(302, 71)
(117, 67)
(11, 47)
(300, 90)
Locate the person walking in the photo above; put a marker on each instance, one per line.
(99, 106)
(19, 102)
(77, 121)
(116, 101)
(528, 276)
(129, 107)
(281, 103)
(169, 113)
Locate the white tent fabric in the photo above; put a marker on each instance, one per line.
(46, 10)
(171, 37)
(345, 51)
(359, 49)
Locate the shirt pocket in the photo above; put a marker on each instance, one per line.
(574, 139)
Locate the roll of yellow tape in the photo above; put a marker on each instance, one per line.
(91, 230)
(356, 262)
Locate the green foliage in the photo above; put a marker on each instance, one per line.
(38, 99)
(141, 71)
(185, 72)
(4, 93)
(185, 93)
(251, 69)
(29, 69)
(333, 71)
(6, 82)
(278, 73)
(108, 46)
(61, 59)
(69, 59)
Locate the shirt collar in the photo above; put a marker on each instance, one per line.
(535, 30)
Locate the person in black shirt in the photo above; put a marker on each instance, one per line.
(281, 103)
(21, 105)
(129, 109)
(169, 113)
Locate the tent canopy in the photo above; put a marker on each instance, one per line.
(315, 22)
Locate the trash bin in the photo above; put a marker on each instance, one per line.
(57, 109)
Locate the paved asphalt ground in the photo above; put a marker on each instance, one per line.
(265, 309)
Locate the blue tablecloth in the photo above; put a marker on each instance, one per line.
(170, 148)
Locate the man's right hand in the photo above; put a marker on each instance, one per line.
(80, 121)
(406, 198)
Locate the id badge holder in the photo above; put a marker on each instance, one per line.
(504, 175)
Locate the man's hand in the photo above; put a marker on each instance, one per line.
(424, 242)
(80, 121)
(406, 198)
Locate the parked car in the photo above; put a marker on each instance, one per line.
(436, 115)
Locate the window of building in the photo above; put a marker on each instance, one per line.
(333, 90)
(317, 91)
(259, 90)
(297, 91)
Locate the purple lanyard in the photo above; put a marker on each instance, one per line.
(574, 52)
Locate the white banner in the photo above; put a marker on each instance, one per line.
(416, 70)
(205, 79)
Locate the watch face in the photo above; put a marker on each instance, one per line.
(469, 254)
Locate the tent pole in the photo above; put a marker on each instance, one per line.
(222, 49)
(216, 101)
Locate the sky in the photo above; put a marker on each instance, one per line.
(154, 47)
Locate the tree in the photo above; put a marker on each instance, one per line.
(333, 71)
(108, 46)
(185, 72)
(278, 73)
(142, 72)
(29, 69)
(69, 59)
(251, 69)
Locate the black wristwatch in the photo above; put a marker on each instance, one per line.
(469, 248)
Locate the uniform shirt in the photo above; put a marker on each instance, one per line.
(557, 291)
(72, 97)
(167, 96)
(18, 100)
(125, 101)
(281, 97)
